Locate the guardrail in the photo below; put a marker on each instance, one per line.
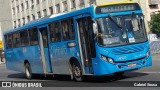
(155, 47)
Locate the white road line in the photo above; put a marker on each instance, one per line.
(150, 72)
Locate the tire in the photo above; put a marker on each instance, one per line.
(119, 74)
(77, 72)
(28, 71)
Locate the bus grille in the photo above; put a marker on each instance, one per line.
(126, 50)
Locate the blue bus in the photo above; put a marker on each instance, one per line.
(97, 40)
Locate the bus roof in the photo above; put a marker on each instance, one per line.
(49, 19)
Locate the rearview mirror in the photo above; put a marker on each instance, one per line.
(95, 28)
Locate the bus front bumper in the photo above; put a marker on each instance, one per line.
(101, 67)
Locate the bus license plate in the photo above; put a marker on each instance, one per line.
(131, 65)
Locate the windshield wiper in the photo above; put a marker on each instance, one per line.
(111, 18)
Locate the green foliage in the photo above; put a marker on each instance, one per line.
(155, 24)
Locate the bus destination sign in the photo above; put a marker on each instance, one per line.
(117, 8)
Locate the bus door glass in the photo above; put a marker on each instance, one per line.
(43, 39)
(86, 42)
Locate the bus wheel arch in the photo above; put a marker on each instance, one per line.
(27, 69)
(76, 70)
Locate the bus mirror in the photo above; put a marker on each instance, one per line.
(95, 28)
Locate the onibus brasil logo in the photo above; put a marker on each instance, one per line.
(20, 84)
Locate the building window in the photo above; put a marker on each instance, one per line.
(13, 11)
(15, 24)
(73, 4)
(92, 2)
(17, 9)
(33, 17)
(44, 12)
(28, 18)
(22, 6)
(37, 1)
(57, 8)
(65, 6)
(32, 1)
(23, 19)
(153, 6)
(39, 14)
(27, 5)
(81, 3)
(51, 10)
(19, 23)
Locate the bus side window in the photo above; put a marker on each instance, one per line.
(16, 39)
(8, 41)
(67, 29)
(5, 38)
(55, 32)
(33, 36)
(24, 38)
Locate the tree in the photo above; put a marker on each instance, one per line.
(155, 24)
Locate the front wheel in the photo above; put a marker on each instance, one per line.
(77, 72)
(28, 71)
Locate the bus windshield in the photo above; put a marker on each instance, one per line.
(121, 30)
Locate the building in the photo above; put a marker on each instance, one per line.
(5, 18)
(149, 7)
(24, 11)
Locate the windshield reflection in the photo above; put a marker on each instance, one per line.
(121, 30)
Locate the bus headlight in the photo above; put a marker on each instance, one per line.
(110, 60)
(147, 54)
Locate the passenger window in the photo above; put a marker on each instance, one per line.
(8, 41)
(67, 29)
(55, 32)
(33, 36)
(16, 39)
(24, 38)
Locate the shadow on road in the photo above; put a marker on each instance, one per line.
(95, 79)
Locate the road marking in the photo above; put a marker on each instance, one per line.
(151, 72)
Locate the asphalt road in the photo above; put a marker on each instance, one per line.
(145, 74)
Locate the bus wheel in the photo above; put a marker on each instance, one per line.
(28, 71)
(119, 74)
(77, 72)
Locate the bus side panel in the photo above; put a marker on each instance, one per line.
(33, 55)
(13, 59)
(10, 61)
(60, 55)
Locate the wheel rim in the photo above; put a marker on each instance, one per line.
(27, 73)
(77, 72)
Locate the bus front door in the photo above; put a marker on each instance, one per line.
(86, 43)
(43, 41)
